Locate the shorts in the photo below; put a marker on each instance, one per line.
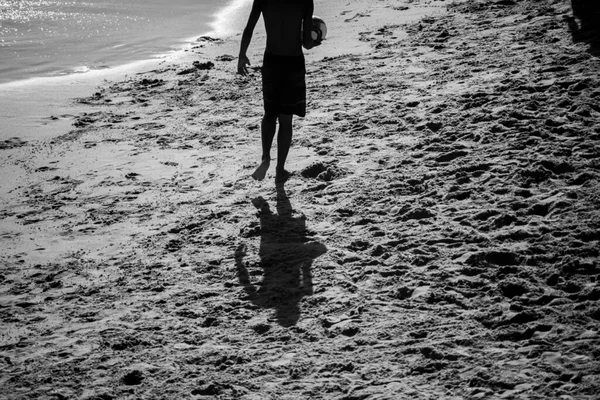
(284, 84)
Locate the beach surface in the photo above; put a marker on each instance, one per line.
(438, 237)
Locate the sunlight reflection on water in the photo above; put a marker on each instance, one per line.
(47, 37)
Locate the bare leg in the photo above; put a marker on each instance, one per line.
(267, 133)
(284, 141)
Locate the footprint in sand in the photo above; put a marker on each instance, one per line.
(12, 143)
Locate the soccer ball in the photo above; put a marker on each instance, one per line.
(319, 29)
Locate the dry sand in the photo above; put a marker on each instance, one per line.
(438, 238)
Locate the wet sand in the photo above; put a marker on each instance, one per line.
(438, 237)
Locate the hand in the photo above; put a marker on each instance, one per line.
(312, 44)
(243, 63)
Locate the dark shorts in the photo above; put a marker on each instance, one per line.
(284, 85)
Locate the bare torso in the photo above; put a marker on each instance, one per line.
(283, 23)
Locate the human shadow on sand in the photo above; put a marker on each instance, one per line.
(286, 256)
(587, 13)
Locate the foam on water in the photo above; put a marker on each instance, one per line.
(27, 101)
(57, 37)
(230, 19)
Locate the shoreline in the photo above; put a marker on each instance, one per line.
(41, 107)
(218, 24)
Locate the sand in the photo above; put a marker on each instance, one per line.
(438, 237)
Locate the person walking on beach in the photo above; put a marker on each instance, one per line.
(288, 24)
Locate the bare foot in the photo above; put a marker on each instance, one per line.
(261, 171)
(281, 175)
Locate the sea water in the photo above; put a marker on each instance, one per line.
(44, 38)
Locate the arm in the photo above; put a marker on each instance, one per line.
(307, 40)
(243, 60)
